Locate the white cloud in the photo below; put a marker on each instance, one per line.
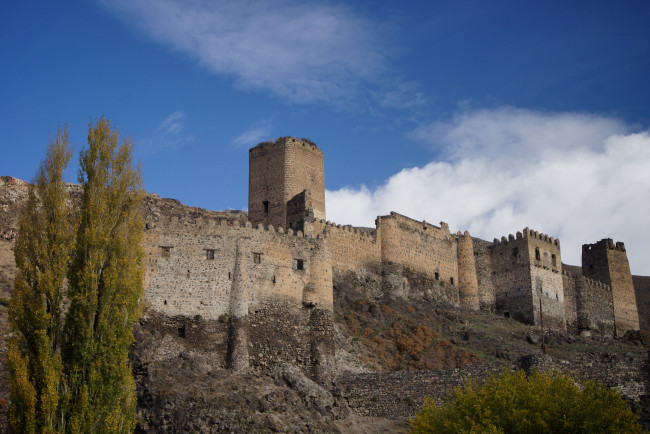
(169, 134)
(578, 177)
(257, 133)
(306, 52)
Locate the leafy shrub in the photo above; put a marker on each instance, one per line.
(539, 403)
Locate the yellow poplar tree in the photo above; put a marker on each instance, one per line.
(105, 281)
(42, 253)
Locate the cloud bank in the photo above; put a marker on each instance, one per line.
(169, 134)
(304, 52)
(577, 177)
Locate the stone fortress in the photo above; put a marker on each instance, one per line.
(270, 278)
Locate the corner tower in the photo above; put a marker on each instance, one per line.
(606, 262)
(281, 171)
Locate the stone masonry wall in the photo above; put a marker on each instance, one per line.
(607, 262)
(467, 281)
(420, 246)
(191, 265)
(483, 265)
(266, 174)
(351, 247)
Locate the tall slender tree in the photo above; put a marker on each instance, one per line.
(105, 287)
(42, 253)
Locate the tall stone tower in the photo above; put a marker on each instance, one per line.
(607, 262)
(286, 181)
(467, 281)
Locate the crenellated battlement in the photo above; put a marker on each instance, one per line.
(209, 226)
(605, 243)
(528, 233)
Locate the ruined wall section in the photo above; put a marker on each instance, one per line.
(606, 261)
(420, 246)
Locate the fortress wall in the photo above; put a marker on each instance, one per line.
(467, 281)
(570, 302)
(594, 305)
(422, 247)
(606, 261)
(483, 265)
(350, 247)
(512, 280)
(185, 281)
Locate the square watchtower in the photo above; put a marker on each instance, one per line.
(278, 172)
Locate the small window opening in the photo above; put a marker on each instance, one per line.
(515, 252)
(266, 207)
(300, 264)
(506, 314)
(451, 280)
(165, 302)
(165, 251)
(437, 275)
(557, 297)
(554, 260)
(181, 331)
(209, 255)
(257, 258)
(229, 275)
(273, 279)
(537, 255)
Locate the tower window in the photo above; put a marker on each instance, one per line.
(451, 280)
(209, 254)
(266, 207)
(537, 255)
(437, 275)
(257, 258)
(554, 260)
(165, 251)
(300, 264)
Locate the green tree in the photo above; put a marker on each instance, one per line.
(539, 403)
(42, 254)
(105, 287)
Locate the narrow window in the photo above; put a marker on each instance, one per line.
(266, 207)
(451, 280)
(229, 275)
(209, 254)
(257, 258)
(273, 279)
(300, 264)
(437, 275)
(165, 251)
(537, 256)
(554, 261)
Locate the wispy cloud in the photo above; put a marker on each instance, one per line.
(304, 52)
(169, 134)
(257, 133)
(578, 177)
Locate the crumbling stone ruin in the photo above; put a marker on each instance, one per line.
(269, 280)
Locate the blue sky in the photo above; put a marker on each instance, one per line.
(491, 116)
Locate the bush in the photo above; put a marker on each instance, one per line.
(539, 403)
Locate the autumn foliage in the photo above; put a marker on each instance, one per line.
(539, 403)
(77, 292)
